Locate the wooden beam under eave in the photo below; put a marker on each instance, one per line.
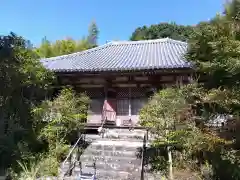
(145, 85)
(90, 85)
(141, 78)
(124, 85)
(119, 79)
(83, 79)
(126, 73)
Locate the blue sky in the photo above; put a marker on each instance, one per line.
(116, 19)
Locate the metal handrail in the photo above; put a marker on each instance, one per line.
(145, 138)
(103, 122)
(72, 166)
(70, 152)
(104, 119)
(69, 155)
(101, 127)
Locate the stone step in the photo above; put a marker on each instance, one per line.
(114, 138)
(126, 139)
(123, 135)
(124, 143)
(110, 159)
(92, 136)
(117, 155)
(117, 134)
(114, 148)
(118, 175)
(94, 152)
(57, 178)
(86, 177)
(116, 166)
(126, 130)
(102, 174)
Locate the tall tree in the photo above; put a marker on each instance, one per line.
(214, 49)
(24, 84)
(82, 44)
(162, 30)
(45, 49)
(68, 45)
(232, 10)
(93, 34)
(62, 47)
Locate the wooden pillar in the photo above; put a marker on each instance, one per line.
(129, 102)
(190, 78)
(179, 80)
(154, 89)
(105, 91)
(104, 113)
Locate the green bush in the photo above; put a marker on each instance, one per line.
(62, 116)
(59, 151)
(55, 121)
(29, 172)
(45, 165)
(49, 166)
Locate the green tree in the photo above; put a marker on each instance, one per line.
(232, 10)
(62, 47)
(171, 116)
(214, 50)
(24, 83)
(93, 34)
(68, 45)
(45, 50)
(161, 113)
(82, 45)
(62, 116)
(162, 30)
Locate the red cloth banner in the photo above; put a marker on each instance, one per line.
(109, 110)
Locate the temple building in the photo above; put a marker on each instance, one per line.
(120, 76)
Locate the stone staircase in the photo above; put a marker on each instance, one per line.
(114, 156)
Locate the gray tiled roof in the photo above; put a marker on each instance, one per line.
(123, 56)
